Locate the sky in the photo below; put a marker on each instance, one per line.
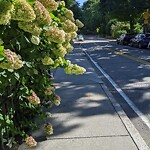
(81, 2)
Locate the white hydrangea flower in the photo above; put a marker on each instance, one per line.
(13, 61)
(47, 61)
(74, 69)
(35, 40)
(33, 99)
(55, 35)
(30, 141)
(79, 23)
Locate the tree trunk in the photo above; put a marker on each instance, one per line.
(131, 25)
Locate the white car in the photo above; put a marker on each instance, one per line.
(80, 38)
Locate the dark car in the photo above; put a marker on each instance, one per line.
(124, 39)
(140, 40)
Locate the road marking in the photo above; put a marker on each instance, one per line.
(127, 56)
(126, 98)
(130, 57)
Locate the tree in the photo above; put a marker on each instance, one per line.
(129, 10)
(91, 16)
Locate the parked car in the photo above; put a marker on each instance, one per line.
(80, 38)
(124, 39)
(140, 41)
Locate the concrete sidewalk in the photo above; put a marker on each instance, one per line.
(86, 118)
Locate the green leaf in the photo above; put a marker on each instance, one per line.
(52, 15)
(11, 70)
(17, 76)
(31, 2)
(27, 39)
(23, 80)
(1, 58)
(18, 44)
(28, 64)
(31, 91)
(3, 73)
(2, 53)
(1, 117)
(1, 48)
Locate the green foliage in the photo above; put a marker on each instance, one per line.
(26, 60)
(101, 14)
(119, 28)
(92, 18)
(109, 26)
(138, 28)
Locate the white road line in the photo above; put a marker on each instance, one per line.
(126, 98)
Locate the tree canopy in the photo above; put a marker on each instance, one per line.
(98, 13)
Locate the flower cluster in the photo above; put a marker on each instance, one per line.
(33, 99)
(30, 141)
(47, 61)
(42, 14)
(49, 90)
(60, 51)
(68, 37)
(56, 100)
(30, 27)
(69, 26)
(79, 23)
(69, 14)
(55, 35)
(48, 128)
(23, 11)
(58, 61)
(6, 8)
(12, 62)
(74, 68)
(50, 5)
(61, 3)
(73, 34)
(68, 47)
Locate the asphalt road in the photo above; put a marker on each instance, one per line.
(129, 68)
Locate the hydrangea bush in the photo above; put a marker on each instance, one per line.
(35, 36)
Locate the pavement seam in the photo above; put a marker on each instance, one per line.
(90, 137)
(133, 132)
